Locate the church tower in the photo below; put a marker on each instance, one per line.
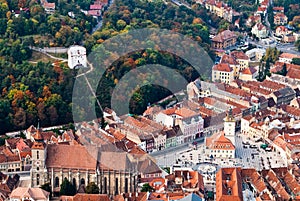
(229, 126)
(38, 155)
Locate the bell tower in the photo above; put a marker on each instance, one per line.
(38, 157)
(229, 126)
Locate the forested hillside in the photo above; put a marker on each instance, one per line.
(134, 14)
(32, 91)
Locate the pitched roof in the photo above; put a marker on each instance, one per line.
(49, 5)
(289, 55)
(281, 28)
(95, 7)
(71, 156)
(85, 197)
(191, 197)
(249, 71)
(222, 67)
(294, 73)
(223, 36)
(228, 59)
(35, 193)
(278, 8)
(239, 55)
(219, 141)
(280, 15)
(229, 179)
(260, 26)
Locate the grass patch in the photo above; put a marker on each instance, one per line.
(40, 57)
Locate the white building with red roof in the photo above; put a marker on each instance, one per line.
(241, 58)
(222, 73)
(224, 39)
(248, 74)
(219, 146)
(190, 122)
(287, 57)
(282, 31)
(260, 30)
(261, 10)
(278, 9)
(222, 145)
(280, 19)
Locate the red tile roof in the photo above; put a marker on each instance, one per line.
(222, 67)
(289, 55)
(223, 36)
(220, 142)
(71, 156)
(229, 179)
(278, 8)
(85, 197)
(228, 59)
(239, 55)
(249, 71)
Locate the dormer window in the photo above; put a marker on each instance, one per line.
(229, 192)
(228, 177)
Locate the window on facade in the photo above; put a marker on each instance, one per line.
(74, 182)
(37, 155)
(37, 179)
(56, 183)
(37, 168)
(117, 186)
(105, 185)
(126, 185)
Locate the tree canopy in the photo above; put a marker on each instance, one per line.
(92, 188)
(67, 188)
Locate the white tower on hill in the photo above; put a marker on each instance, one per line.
(229, 127)
(77, 57)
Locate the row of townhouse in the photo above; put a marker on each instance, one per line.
(220, 8)
(233, 66)
(240, 184)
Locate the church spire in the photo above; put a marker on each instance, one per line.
(229, 115)
(38, 136)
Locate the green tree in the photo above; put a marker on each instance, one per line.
(92, 188)
(261, 71)
(271, 17)
(147, 188)
(267, 69)
(296, 61)
(283, 70)
(297, 44)
(47, 188)
(67, 188)
(121, 24)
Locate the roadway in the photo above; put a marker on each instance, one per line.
(284, 47)
(168, 156)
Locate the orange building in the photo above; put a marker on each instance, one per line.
(229, 184)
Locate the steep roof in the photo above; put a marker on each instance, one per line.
(222, 67)
(35, 193)
(289, 55)
(239, 55)
(219, 141)
(249, 71)
(71, 156)
(85, 197)
(223, 36)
